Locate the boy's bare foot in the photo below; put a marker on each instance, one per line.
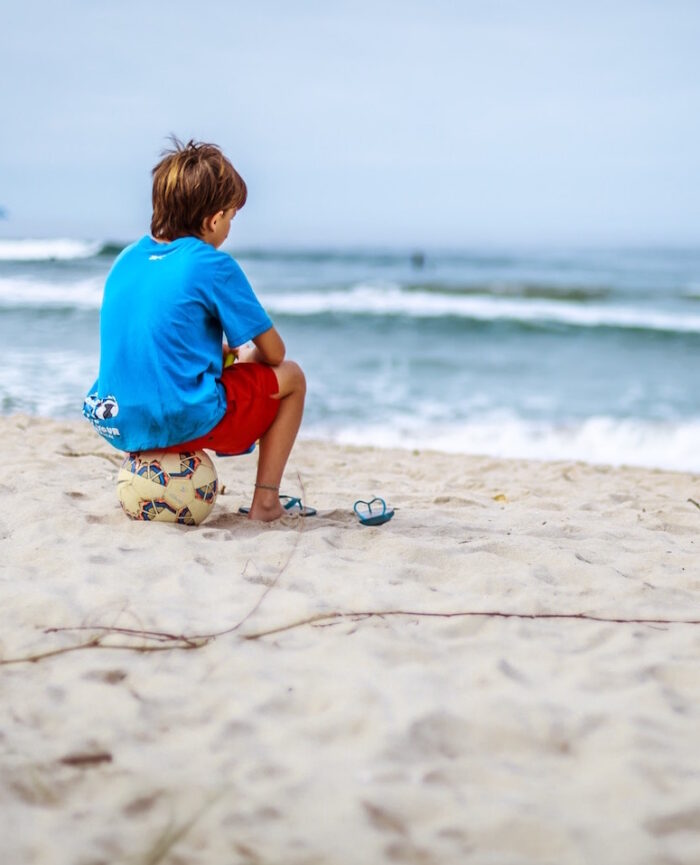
(266, 512)
(266, 505)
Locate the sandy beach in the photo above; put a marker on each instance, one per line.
(465, 684)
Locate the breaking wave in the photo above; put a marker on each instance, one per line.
(56, 249)
(370, 301)
(602, 440)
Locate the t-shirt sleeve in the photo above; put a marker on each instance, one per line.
(240, 312)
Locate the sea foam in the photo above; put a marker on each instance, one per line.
(26, 292)
(602, 439)
(373, 301)
(58, 249)
(370, 300)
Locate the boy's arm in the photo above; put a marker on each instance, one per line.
(269, 349)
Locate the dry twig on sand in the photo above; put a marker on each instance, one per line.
(168, 641)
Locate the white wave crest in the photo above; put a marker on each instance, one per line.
(366, 300)
(598, 440)
(59, 249)
(369, 300)
(17, 292)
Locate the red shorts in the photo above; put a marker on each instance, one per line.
(250, 410)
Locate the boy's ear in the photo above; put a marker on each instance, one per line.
(208, 224)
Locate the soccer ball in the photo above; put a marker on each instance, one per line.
(168, 487)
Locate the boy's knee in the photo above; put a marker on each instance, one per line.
(291, 377)
(297, 375)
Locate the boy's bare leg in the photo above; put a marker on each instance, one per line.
(277, 443)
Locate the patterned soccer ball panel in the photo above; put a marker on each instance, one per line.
(167, 487)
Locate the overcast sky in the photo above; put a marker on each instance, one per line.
(376, 123)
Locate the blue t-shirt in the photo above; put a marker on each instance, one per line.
(165, 309)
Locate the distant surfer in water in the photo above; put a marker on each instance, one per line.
(164, 381)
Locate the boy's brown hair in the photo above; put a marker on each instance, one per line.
(192, 182)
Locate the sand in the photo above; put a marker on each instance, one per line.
(407, 737)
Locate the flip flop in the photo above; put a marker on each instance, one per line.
(373, 516)
(292, 505)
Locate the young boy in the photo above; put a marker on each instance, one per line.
(168, 301)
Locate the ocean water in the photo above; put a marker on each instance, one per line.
(546, 354)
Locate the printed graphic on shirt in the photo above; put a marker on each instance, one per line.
(98, 410)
